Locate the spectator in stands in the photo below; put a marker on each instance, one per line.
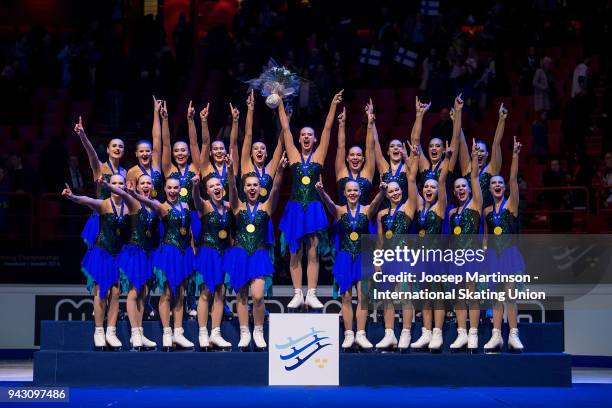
(539, 133)
(443, 128)
(557, 201)
(530, 65)
(543, 85)
(607, 180)
(74, 176)
(22, 178)
(576, 120)
(580, 78)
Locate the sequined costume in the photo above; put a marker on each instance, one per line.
(347, 265)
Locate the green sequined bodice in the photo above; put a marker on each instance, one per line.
(400, 227)
(304, 193)
(364, 184)
(432, 223)
(469, 223)
(173, 224)
(145, 229)
(211, 225)
(431, 174)
(114, 231)
(158, 185)
(252, 241)
(487, 197)
(345, 230)
(509, 225)
(185, 182)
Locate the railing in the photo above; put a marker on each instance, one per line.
(555, 209)
(604, 213)
(17, 218)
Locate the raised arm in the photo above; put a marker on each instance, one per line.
(195, 193)
(292, 152)
(321, 152)
(514, 187)
(464, 152)
(381, 163)
(474, 180)
(205, 152)
(94, 161)
(248, 133)
(454, 145)
(444, 169)
(277, 156)
(341, 152)
(166, 146)
(231, 181)
(131, 202)
(496, 155)
(193, 137)
(413, 166)
(92, 203)
(373, 207)
(156, 135)
(330, 206)
(233, 147)
(278, 179)
(369, 165)
(417, 127)
(154, 204)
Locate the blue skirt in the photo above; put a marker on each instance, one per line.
(508, 261)
(243, 268)
(346, 271)
(298, 222)
(172, 265)
(91, 230)
(135, 266)
(101, 268)
(208, 265)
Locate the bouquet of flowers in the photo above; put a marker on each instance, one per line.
(275, 82)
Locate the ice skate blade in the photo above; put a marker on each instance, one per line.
(472, 351)
(419, 349)
(143, 348)
(365, 350)
(114, 349)
(183, 349)
(437, 350)
(136, 349)
(204, 349)
(167, 349)
(99, 348)
(494, 350)
(351, 349)
(245, 349)
(218, 349)
(260, 349)
(386, 350)
(309, 309)
(295, 309)
(513, 350)
(405, 350)
(459, 349)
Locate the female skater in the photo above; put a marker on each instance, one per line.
(149, 156)
(248, 262)
(393, 226)
(464, 224)
(115, 150)
(503, 255)
(173, 261)
(136, 257)
(215, 237)
(304, 222)
(353, 220)
(429, 167)
(431, 211)
(100, 262)
(355, 166)
(485, 170)
(216, 150)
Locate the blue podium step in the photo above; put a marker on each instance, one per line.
(78, 335)
(88, 368)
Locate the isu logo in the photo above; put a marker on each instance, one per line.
(300, 350)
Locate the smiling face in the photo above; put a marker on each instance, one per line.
(143, 153)
(180, 152)
(218, 152)
(354, 158)
(172, 189)
(395, 150)
(144, 185)
(497, 187)
(115, 149)
(462, 190)
(259, 153)
(118, 181)
(435, 149)
(214, 189)
(394, 192)
(251, 188)
(430, 191)
(307, 139)
(352, 192)
(483, 153)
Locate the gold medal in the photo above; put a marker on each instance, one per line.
(498, 230)
(148, 233)
(305, 180)
(354, 236)
(263, 192)
(118, 231)
(389, 234)
(223, 193)
(421, 233)
(183, 231)
(250, 228)
(457, 230)
(183, 192)
(222, 234)
(154, 193)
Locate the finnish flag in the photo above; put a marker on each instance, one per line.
(370, 56)
(430, 7)
(406, 57)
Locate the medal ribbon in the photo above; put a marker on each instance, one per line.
(352, 219)
(180, 211)
(251, 214)
(459, 214)
(120, 215)
(223, 173)
(497, 214)
(391, 218)
(393, 177)
(260, 175)
(306, 164)
(222, 214)
(424, 212)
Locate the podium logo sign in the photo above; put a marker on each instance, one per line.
(304, 349)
